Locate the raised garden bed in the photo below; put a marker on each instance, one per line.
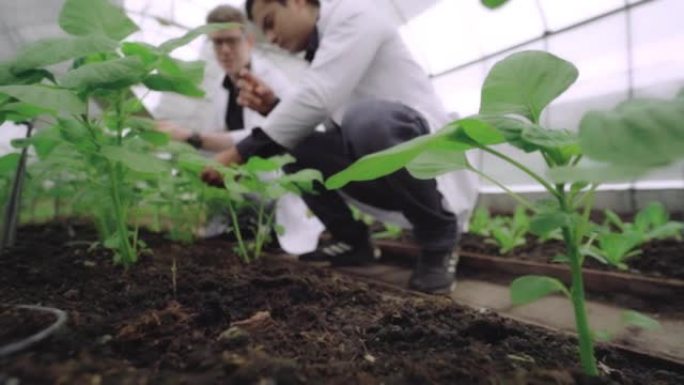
(128, 327)
(631, 289)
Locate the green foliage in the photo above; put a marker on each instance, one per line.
(95, 17)
(492, 4)
(637, 133)
(51, 98)
(509, 232)
(112, 74)
(110, 156)
(56, 50)
(530, 288)
(632, 139)
(480, 222)
(252, 187)
(525, 83)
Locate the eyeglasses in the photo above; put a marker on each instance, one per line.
(231, 42)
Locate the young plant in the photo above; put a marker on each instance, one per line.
(480, 222)
(107, 146)
(509, 233)
(634, 138)
(616, 241)
(254, 186)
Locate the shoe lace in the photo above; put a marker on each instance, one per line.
(336, 249)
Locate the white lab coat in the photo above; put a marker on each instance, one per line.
(361, 56)
(302, 229)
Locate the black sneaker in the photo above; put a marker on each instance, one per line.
(435, 274)
(340, 253)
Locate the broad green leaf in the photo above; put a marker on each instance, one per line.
(492, 4)
(147, 53)
(651, 216)
(192, 70)
(237, 190)
(25, 110)
(140, 124)
(172, 44)
(9, 162)
(533, 287)
(640, 320)
(78, 135)
(6, 75)
(385, 162)
(275, 191)
(303, 180)
(596, 174)
(48, 97)
(257, 164)
(193, 162)
(552, 139)
(183, 86)
(617, 247)
(525, 83)
(45, 140)
(139, 162)
(667, 230)
(112, 74)
(95, 17)
(155, 137)
(638, 133)
(56, 50)
(26, 77)
(544, 223)
(614, 219)
(437, 161)
(481, 131)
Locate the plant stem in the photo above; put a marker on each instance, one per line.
(523, 169)
(238, 233)
(128, 255)
(586, 343)
(510, 192)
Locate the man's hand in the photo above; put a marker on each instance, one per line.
(255, 94)
(228, 157)
(212, 177)
(175, 131)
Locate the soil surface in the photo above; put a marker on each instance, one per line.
(271, 322)
(663, 258)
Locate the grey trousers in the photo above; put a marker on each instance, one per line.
(368, 127)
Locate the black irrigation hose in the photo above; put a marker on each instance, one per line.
(10, 218)
(14, 347)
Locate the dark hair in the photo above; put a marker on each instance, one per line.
(250, 4)
(226, 14)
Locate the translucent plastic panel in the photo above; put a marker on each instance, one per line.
(562, 13)
(599, 51)
(455, 32)
(657, 54)
(442, 37)
(460, 90)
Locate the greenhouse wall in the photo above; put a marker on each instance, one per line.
(622, 49)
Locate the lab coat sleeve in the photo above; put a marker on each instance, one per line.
(348, 46)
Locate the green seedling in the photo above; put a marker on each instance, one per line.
(253, 187)
(510, 232)
(625, 143)
(106, 146)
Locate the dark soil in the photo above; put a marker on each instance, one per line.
(18, 324)
(664, 258)
(291, 324)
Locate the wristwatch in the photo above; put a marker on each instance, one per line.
(195, 140)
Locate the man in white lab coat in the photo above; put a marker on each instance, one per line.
(231, 122)
(370, 93)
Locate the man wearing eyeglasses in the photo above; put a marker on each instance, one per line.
(232, 122)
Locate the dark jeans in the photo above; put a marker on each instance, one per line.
(368, 127)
